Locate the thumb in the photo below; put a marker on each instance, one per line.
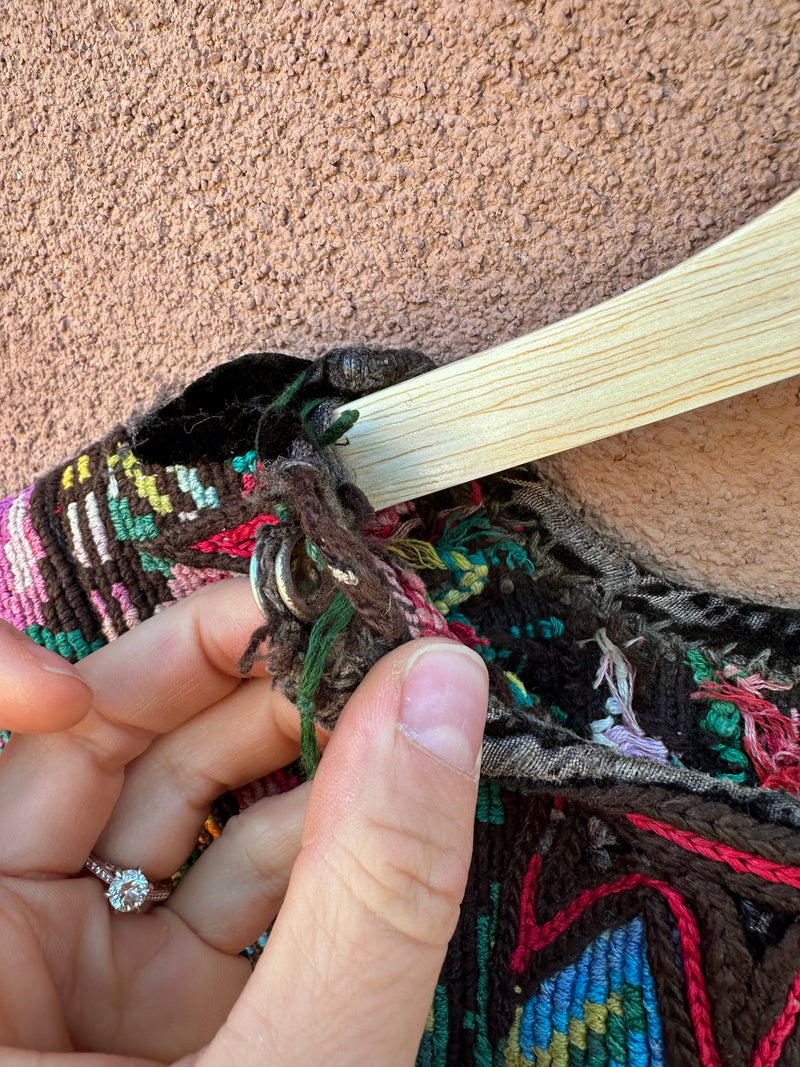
(40, 691)
(350, 969)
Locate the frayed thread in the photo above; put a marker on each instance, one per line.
(771, 737)
(618, 673)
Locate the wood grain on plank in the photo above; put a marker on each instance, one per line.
(723, 322)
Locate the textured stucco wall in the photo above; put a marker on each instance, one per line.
(183, 182)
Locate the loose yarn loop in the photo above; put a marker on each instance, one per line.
(378, 602)
(319, 662)
(323, 635)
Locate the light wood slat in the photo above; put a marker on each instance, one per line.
(725, 321)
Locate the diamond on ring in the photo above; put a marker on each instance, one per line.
(128, 889)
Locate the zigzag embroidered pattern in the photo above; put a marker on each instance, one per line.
(600, 1010)
(534, 936)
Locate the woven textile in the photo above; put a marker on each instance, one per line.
(634, 896)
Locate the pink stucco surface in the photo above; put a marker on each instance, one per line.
(182, 183)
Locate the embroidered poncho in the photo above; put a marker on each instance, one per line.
(634, 896)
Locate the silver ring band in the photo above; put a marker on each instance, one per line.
(128, 889)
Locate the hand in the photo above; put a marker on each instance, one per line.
(123, 755)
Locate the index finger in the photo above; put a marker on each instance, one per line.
(58, 790)
(173, 665)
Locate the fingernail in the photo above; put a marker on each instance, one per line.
(443, 703)
(50, 661)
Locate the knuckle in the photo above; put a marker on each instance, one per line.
(409, 879)
(258, 853)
